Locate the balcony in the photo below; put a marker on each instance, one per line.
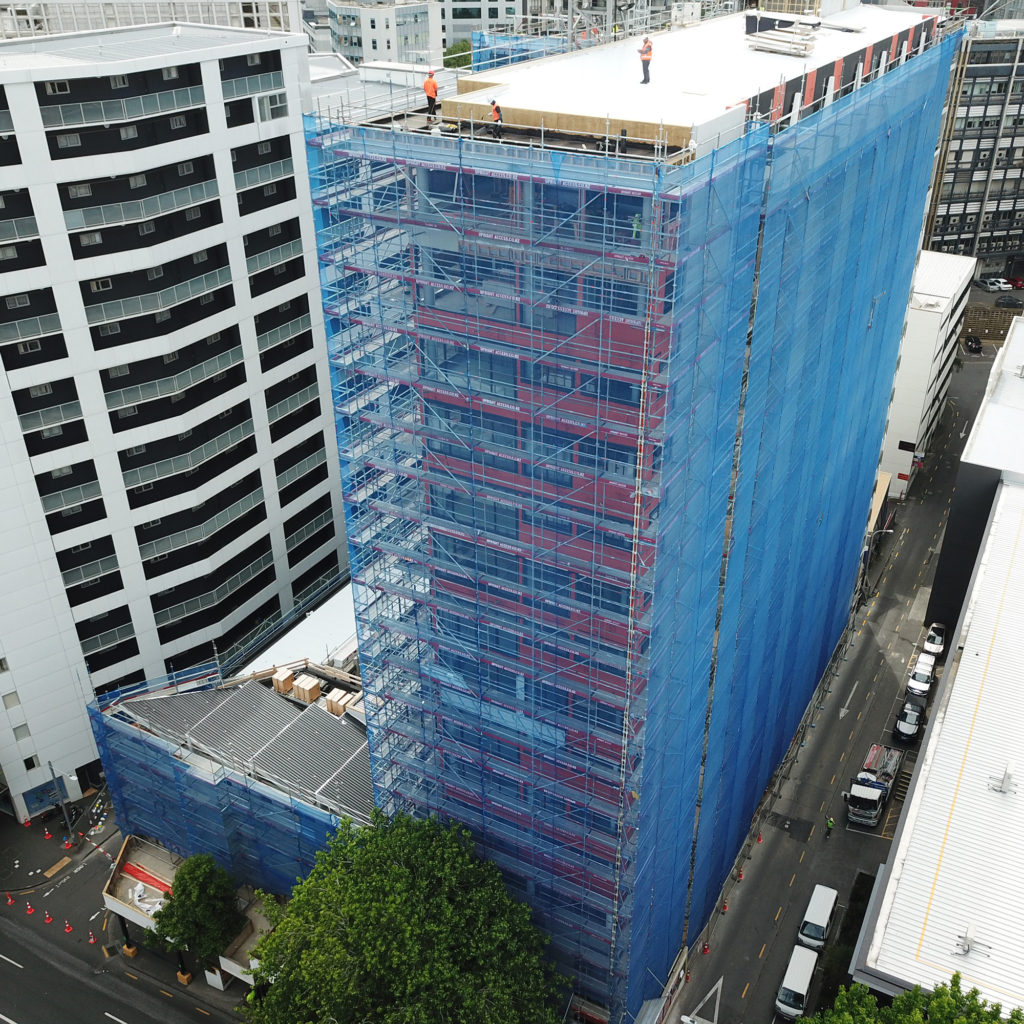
(293, 540)
(105, 112)
(205, 530)
(107, 639)
(71, 497)
(17, 229)
(51, 416)
(89, 571)
(140, 209)
(214, 597)
(283, 332)
(189, 460)
(118, 309)
(260, 175)
(271, 257)
(292, 402)
(300, 469)
(30, 327)
(174, 385)
(272, 81)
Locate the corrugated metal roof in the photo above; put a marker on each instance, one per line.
(303, 750)
(956, 869)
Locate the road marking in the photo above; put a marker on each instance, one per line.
(166, 993)
(801, 860)
(10, 961)
(850, 737)
(792, 880)
(777, 912)
(763, 948)
(7, 1020)
(205, 1013)
(134, 977)
(822, 807)
(859, 713)
(745, 987)
(842, 757)
(112, 1017)
(845, 709)
(97, 914)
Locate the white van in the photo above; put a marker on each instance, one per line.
(817, 922)
(792, 998)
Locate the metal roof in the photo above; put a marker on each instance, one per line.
(952, 900)
(300, 749)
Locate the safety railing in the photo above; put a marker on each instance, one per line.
(204, 530)
(283, 332)
(265, 172)
(30, 327)
(156, 301)
(107, 639)
(89, 571)
(107, 111)
(140, 209)
(172, 385)
(190, 460)
(271, 257)
(292, 402)
(251, 84)
(214, 597)
(19, 227)
(50, 416)
(300, 469)
(71, 496)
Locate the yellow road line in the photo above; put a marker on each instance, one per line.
(745, 987)
(777, 912)
(763, 948)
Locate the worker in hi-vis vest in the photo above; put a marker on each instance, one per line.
(645, 59)
(496, 119)
(430, 88)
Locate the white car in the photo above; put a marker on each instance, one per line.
(922, 675)
(935, 641)
(995, 284)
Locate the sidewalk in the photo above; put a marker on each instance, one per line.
(66, 885)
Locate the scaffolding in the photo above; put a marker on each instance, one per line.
(592, 454)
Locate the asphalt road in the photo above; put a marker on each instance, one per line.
(749, 944)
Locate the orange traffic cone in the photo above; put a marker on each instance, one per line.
(92, 939)
(46, 917)
(46, 832)
(10, 900)
(67, 927)
(28, 908)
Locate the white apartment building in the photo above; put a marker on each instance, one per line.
(171, 479)
(938, 300)
(404, 33)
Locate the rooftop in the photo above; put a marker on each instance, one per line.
(109, 47)
(995, 437)
(940, 275)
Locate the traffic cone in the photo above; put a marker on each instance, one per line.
(28, 823)
(67, 842)
(759, 838)
(28, 908)
(10, 900)
(725, 906)
(687, 975)
(739, 876)
(92, 939)
(46, 832)
(705, 949)
(67, 927)
(46, 918)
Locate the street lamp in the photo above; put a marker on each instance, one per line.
(59, 792)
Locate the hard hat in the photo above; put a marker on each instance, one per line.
(430, 74)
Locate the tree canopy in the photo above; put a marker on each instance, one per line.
(201, 915)
(400, 922)
(948, 1004)
(459, 54)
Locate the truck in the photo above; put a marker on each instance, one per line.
(871, 786)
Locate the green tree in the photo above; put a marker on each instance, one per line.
(201, 915)
(459, 54)
(948, 1004)
(400, 922)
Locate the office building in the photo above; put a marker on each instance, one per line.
(171, 490)
(977, 205)
(611, 382)
(404, 33)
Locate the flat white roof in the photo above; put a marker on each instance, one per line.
(940, 276)
(996, 436)
(956, 867)
(111, 46)
(697, 72)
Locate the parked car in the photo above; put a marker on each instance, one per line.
(1009, 302)
(910, 721)
(922, 675)
(994, 284)
(1017, 282)
(935, 641)
(972, 343)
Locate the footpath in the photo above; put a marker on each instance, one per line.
(55, 887)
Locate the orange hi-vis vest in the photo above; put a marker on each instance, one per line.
(645, 53)
(430, 88)
(495, 113)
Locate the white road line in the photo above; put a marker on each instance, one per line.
(112, 1017)
(10, 961)
(97, 914)
(7, 1020)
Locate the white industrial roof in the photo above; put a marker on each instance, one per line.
(995, 439)
(940, 276)
(954, 871)
(111, 46)
(697, 72)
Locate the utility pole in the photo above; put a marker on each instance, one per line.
(59, 793)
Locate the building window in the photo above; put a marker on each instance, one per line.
(154, 273)
(118, 81)
(146, 227)
(21, 732)
(121, 370)
(140, 449)
(274, 229)
(253, 59)
(8, 252)
(57, 88)
(169, 74)
(11, 700)
(108, 329)
(79, 191)
(69, 141)
(56, 474)
(161, 315)
(16, 301)
(33, 761)
(200, 257)
(39, 390)
(263, 148)
(272, 107)
(373, 24)
(373, 44)
(128, 410)
(178, 121)
(101, 284)
(51, 432)
(91, 237)
(27, 347)
(129, 131)
(184, 168)
(193, 213)
(170, 357)
(270, 190)
(136, 181)
(205, 300)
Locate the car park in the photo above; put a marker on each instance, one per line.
(994, 284)
(972, 343)
(935, 641)
(1009, 302)
(910, 721)
(922, 675)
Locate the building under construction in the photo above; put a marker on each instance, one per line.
(611, 379)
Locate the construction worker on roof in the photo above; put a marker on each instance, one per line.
(430, 88)
(645, 52)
